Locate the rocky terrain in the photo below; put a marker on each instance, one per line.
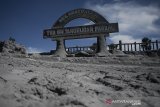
(47, 81)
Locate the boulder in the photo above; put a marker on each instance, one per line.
(158, 52)
(9, 46)
(117, 52)
(82, 54)
(153, 78)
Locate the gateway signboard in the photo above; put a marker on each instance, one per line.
(79, 31)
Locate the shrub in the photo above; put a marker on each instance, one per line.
(12, 39)
(146, 43)
(112, 46)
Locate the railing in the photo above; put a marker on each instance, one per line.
(153, 46)
(125, 47)
(77, 48)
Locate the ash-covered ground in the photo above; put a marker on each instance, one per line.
(47, 81)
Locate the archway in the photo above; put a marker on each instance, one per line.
(100, 29)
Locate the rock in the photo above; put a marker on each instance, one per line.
(29, 71)
(158, 52)
(38, 81)
(33, 80)
(152, 78)
(108, 84)
(60, 91)
(141, 77)
(151, 54)
(82, 54)
(38, 91)
(116, 52)
(9, 46)
(2, 79)
(2, 82)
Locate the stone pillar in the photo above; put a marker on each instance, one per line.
(60, 50)
(101, 46)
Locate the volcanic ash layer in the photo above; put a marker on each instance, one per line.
(45, 81)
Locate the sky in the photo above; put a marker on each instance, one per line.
(25, 20)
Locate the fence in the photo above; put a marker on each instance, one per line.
(77, 48)
(125, 47)
(152, 46)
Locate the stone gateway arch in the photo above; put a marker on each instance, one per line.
(100, 29)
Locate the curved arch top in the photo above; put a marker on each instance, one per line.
(79, 13)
